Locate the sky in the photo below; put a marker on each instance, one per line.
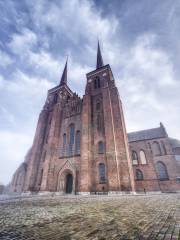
(138, 38)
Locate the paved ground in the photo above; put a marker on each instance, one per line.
(95, 218)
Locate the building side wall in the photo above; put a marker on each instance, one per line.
(151, 181)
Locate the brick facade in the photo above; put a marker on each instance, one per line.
(81, 144)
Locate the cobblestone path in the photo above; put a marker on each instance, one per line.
(95, 218)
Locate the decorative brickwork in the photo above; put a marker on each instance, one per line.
(81, 144)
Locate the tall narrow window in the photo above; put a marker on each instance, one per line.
(139, 175)
(134, 158)
(64, 145)
(100, 147)
(156, 149)
(71, 138)
(78, 142)
(102, 173)
(162, 171)
(40, 178)
(98, 82)
(143, 157)
(95, 83)
(98, 106)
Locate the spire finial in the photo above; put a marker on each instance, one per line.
(64, 75)
(99, 63)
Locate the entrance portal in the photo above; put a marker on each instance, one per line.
(69, 183)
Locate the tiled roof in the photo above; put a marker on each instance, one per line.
(147, 134)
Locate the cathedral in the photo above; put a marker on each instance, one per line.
(81, 145)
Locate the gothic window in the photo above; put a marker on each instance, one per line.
(98, 106)
(41, 175)
(64, 144)
(162, 171)
(102, 173)
(71, 138)
(78, 142)
(97, 83)
(139, 175)
(143, 157)
(156, 149)
(100, 147)
(134, 158)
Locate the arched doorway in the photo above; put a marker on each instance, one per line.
(69, 183)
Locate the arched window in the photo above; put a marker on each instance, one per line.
(97, 83)
(98, 106)
(142, 157)
(162, 171)
(156, 149)
(134, 158)
(40, 178)
(78, 142)
(139, 175)
(71, 138)
(100, 147)
(102, 173)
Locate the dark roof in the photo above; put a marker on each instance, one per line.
(64, 75)
(99, 63)
(147, 134)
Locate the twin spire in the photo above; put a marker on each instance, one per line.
(99, 64)
(64, 75)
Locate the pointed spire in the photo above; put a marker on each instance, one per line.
(163, 128)
(99, 58)
(64, 75)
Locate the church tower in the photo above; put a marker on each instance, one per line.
(105, 161)
(80, 145)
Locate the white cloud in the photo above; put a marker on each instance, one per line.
(23, 41)
(74, 20)
(5, 59)
(149, 86)
(13, 149)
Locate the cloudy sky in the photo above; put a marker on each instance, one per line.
(139, 39)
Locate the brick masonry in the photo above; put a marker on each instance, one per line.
(60, 162)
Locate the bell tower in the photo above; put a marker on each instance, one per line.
(105, 161)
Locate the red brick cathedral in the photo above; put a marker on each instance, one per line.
(81, 145)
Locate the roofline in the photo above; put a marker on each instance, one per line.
(58, 87)
(98, 70)
(146, 139)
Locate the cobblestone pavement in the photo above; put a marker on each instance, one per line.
(95, 218)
